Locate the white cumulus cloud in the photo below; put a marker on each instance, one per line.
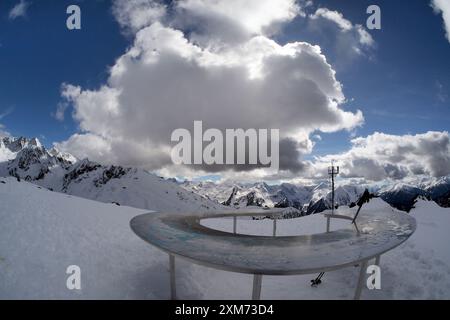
(345, 25)
(136, 14)
(236, 17)
(443, 6)
(166, 80)
(382, 156)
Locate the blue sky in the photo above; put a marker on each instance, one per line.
(38, 53)
(405, 87)
(402, 85)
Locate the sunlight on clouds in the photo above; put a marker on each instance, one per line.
(252, 15)
(345, 25)
(136, 14)
(167, 79)
(380, 156)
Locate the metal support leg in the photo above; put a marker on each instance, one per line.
(328, 224)
(173, 287)
(356, 227)
(234, 224)
(257, 282)
(275, 227)
(361, 278)
(377, 260)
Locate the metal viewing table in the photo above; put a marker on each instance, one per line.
(183, 236)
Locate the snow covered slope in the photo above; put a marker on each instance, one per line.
(132, 187)
(29, 160)
(43, 232)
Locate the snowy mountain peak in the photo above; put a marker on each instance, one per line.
(305, 199)
(35, 142)
(29, 160)
(64, 157)
(15, 144)
(316, 198)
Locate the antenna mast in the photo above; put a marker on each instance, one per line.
(332, 172)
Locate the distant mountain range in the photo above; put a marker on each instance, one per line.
(317, 198)
(29, 160)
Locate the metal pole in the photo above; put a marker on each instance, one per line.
(275, 227)
(333, 171)
(257, 282)
(332, 190)
(234, 224)
(173, 288)
(328, 224)
(361, 278)
(377, 260)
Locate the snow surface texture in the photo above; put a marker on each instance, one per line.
(42, 233)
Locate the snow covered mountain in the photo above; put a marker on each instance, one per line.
(402, 196)
(439, 190)
(306, 199)
(27, 159)
(317, 198)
